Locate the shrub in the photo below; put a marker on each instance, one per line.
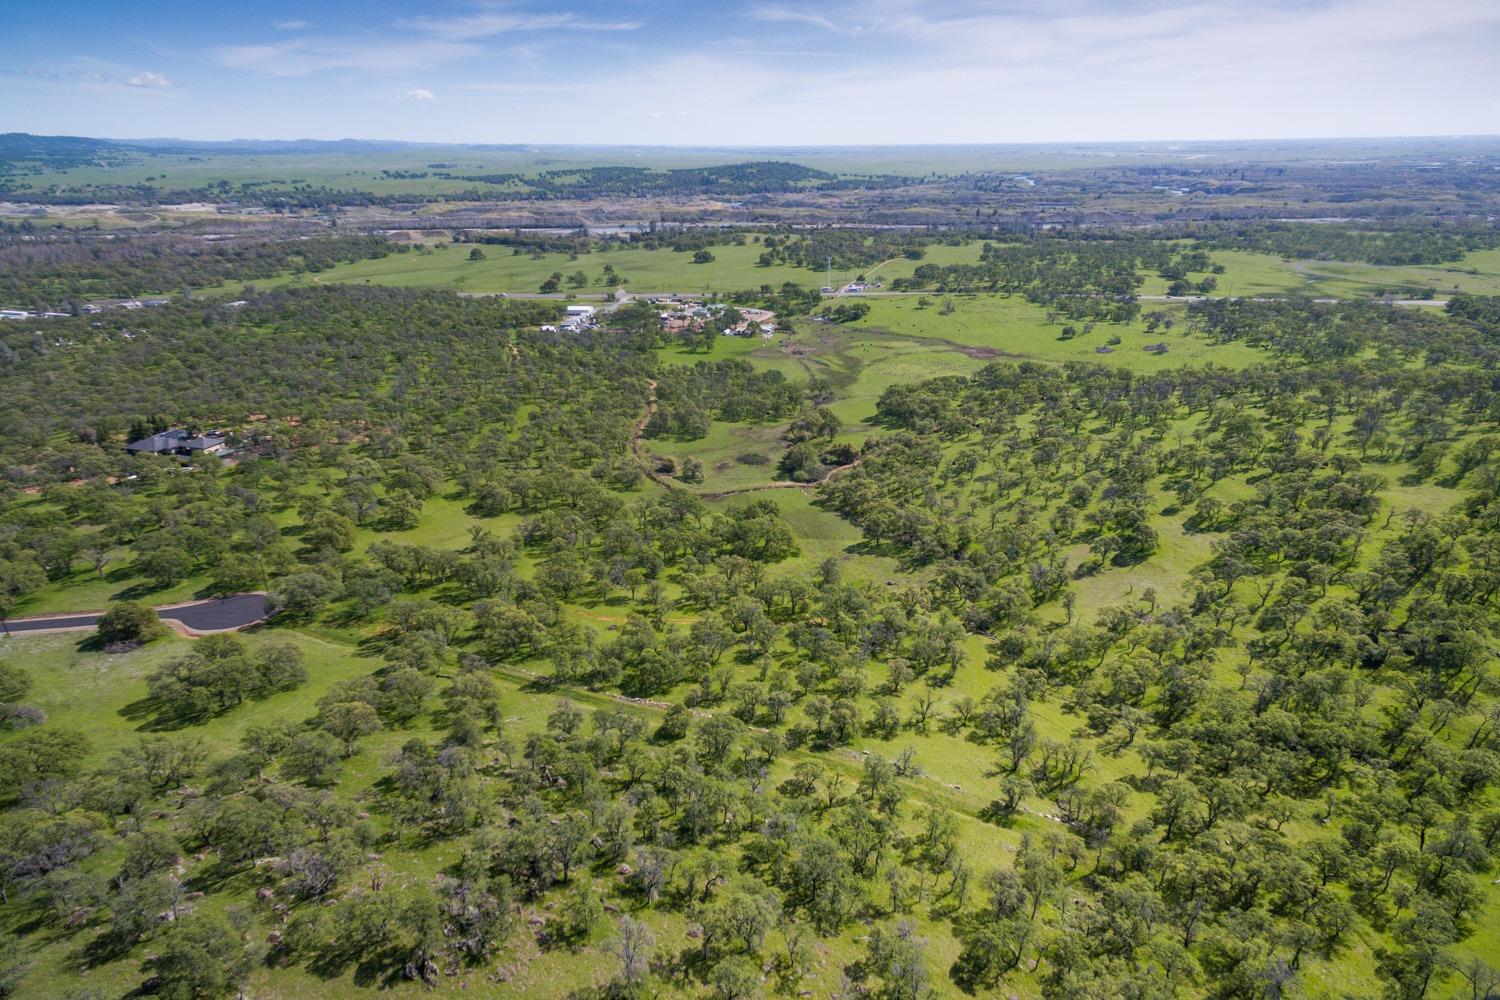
(674, 725)
(130, 623)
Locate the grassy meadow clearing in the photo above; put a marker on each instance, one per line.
(447, 265)
(1478, 273)
(734, 268)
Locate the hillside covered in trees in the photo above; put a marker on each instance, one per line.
(999, 677)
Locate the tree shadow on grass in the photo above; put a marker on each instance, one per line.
(382, 968)
(105, 947)
(91, 643)
(154, 718)
(345, 616)
(137, 591)
(375, 644)
(997, 814)
(867, 547)
(222, 876)
(35, 918)
(541, 684)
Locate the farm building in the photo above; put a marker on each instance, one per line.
(578, 318)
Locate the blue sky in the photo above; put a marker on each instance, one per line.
(764, 72)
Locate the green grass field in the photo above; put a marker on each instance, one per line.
(733, 269)
(1245, 274)
(901, 342)
(996, 326)
(1252, 274)
(1478, 272)
(445, 265)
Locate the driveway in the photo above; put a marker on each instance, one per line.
(220, 614)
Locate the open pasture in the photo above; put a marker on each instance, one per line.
(994, 326)
(733, 269)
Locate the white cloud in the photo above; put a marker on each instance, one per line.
(147, 80)
(1088, 69)
(289, 25)
(1097, 71)
(416, 43)
(420, 94)
(302, 56)
(776, 13)
(93, 76)
(486, 25)
(964, 71)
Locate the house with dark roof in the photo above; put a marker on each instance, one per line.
(178, 442)
(204, 444)
(165, 443)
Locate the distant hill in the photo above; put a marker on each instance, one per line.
(58, 151)
(294, 146)
(70, 150)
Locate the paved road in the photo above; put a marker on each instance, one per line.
(613, 302)
(43, 624)
(216, 615)
(1407, 303)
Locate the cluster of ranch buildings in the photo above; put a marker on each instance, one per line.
(576, 319)
(684, 316)
(90, 309)
(679, 315)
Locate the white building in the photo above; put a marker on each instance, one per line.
(578, 318)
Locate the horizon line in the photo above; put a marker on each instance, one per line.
(1444, 136)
